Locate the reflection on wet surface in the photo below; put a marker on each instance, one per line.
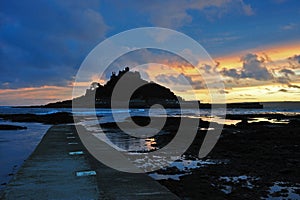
(16, 146)
(273, 121)
(124, 142)
(280, 189)
(220, 120)
(158, 176)
(229, 182)
(183, 167)
(150, 144)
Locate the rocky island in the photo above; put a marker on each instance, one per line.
(148, 94)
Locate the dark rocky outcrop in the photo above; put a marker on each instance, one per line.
(148, 94)
(55, 118)
(11, 127)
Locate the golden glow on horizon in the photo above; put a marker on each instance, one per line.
(275, 52)
(249, 90)
(34, 95)
(263, 94)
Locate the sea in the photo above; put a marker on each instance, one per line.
(17, 145)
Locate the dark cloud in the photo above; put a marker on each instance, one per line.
(144, 56)
(44, 42)
(295, 58)
(287, 72)
(231, 73)
(209, 69)
(282, 90)
(176, 13)
(253, 67)
(181, 79)
(294, 86)
(285, 77)
(223, 92)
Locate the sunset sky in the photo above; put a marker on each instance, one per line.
(255, 44)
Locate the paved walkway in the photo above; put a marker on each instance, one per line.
(52, 173)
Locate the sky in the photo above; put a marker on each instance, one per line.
(255, 45)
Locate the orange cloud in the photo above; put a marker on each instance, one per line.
(237, 90)
(275, 52)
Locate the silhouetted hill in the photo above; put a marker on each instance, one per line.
(148, 94)
(145, 96)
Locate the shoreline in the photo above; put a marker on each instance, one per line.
(239, 165)
(251, 147)
(187, 104)
(34, 178)
(263, 162)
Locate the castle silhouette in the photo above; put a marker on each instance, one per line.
(148, 94)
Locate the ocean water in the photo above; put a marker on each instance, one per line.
(16, 146)
(269, 107)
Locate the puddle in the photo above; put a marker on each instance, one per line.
(175, 177)
(206, 129)
(283, 189)
(227, 189)
(273, 121)
(243, 180)
(76, 153)
(72, 143)
(86, 173)
(184, 167)
(151, 163)
(220, 120)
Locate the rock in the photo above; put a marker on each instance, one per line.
(11, 127)
(285, 171)
(55, 118)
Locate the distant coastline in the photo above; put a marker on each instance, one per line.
(68, 104)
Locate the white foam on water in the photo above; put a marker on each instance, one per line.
(72, 143)
(76, 153)
(86, 173)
